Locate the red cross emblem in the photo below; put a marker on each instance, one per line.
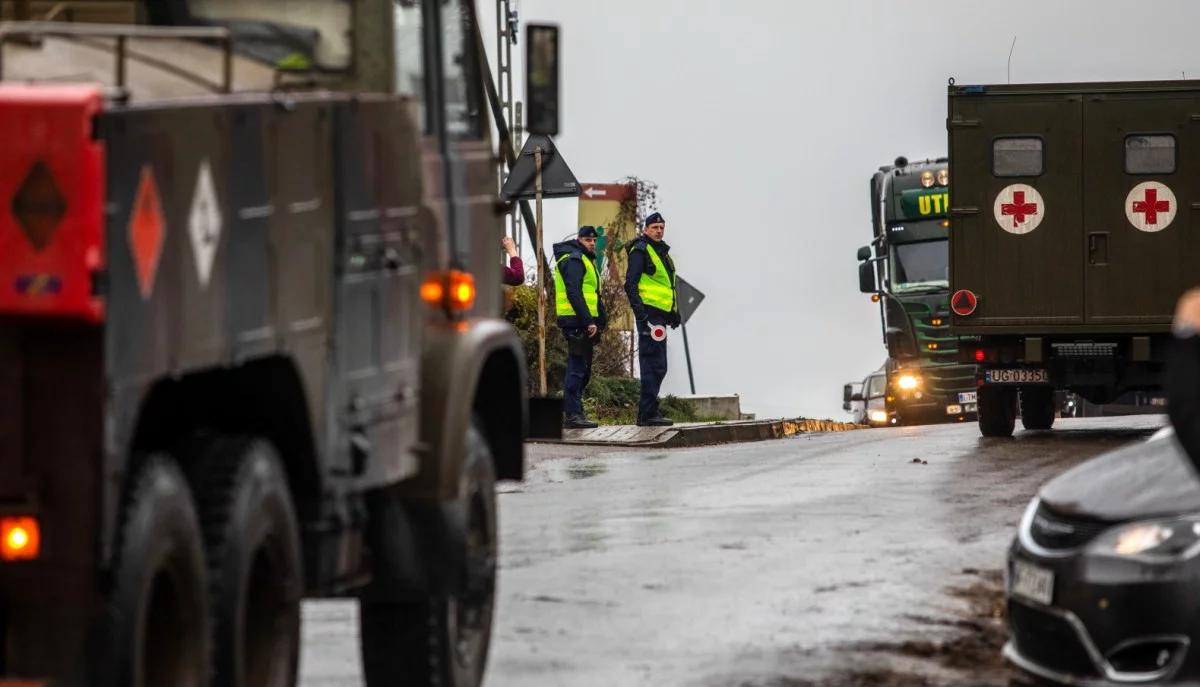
(1018, 209)
(1151, 206)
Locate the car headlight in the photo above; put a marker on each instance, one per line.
(1161, 539)
(877, 416)
(908, 382)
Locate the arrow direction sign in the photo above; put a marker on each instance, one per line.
(592, 192)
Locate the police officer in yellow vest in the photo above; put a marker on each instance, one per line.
(581, 317)
(650, 286)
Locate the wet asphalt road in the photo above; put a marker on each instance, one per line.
(869, 557)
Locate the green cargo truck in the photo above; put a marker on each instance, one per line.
(906, 268)
(1072, 235)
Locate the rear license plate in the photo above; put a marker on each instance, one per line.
(967, 397)
(1018, 376)
(953, 409)
(1033, 583)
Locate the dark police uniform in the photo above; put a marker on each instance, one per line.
(577, 304)
(650, 286)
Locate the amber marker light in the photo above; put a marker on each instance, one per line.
(452, 289)
(874, 298)
(20, 538)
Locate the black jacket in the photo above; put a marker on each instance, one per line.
(639, 264)
(1183, 393)
(572, 270)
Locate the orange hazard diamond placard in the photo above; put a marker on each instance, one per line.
(146, 231)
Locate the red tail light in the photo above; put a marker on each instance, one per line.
(51, 201)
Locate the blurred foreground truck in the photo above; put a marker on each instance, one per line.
(907, 268)
(249, 350)
(1073, 231)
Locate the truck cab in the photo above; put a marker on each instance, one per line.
(906, 269)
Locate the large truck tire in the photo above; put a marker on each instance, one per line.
(157, 628)
(252, 539)
(1037, 407)
(997, 411)
(442, 641)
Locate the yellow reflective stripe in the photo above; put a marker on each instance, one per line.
(591, 289)
(657, 290)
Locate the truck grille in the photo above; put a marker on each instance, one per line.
(949, 380)
(1058, 532)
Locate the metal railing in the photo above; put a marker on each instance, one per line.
(11, 31)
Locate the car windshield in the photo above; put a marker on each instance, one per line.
(920, 266)
(875, 386)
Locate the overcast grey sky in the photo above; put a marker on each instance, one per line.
(762, 120)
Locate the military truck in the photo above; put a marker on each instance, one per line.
(1067, 247)
(249, 345)
(906, 270)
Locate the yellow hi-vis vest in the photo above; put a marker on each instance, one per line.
(657, 290)
(591, 288)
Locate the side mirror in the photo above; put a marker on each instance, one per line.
(847, 392)
(864, 253)
(541, 79)
(866, 278)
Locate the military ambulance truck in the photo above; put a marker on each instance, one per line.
(906, 267)
(1073, 232)
(249, 345)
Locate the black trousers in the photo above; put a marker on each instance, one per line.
(652, 359)
(579, 371)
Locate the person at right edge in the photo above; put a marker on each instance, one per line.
(1183, 375)
(650, 286)
(581, 317)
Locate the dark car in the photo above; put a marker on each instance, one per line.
(1104, 575)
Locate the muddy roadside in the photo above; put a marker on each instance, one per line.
(967, 654)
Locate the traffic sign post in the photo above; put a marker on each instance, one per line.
(687, 299)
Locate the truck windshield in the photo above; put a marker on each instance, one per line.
(920, 266)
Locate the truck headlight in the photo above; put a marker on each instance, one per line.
(1154, 539)
(927, 179)
(943, 177)
(908, 382)
(879, 416)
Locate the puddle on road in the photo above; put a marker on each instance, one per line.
(584, 470)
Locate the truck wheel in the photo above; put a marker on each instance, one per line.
(255, 569)
(1037, 407)
(997, 411)
(442, 641)
(157, 629)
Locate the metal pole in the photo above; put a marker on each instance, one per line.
(687, 353)
(537, 162)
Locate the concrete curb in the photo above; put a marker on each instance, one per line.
(697, 434)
